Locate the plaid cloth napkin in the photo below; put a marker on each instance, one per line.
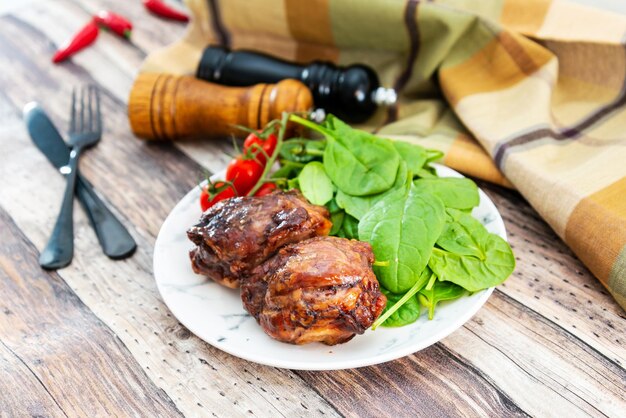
(532, 89)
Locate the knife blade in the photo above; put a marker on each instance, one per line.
(114, 238)
(45, 135)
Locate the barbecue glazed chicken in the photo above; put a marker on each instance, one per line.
(321, 289)
(238, 234)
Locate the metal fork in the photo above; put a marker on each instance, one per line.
(85, 131)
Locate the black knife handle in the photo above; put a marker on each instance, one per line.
(351, 93)
(114, 238)
(59, 250)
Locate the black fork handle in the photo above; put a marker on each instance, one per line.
(114, 238)
(59, 250)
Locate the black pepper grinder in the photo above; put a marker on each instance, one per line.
(352, 93)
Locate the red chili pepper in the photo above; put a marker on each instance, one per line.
(115, 23)
(159, 8)
(85, 37)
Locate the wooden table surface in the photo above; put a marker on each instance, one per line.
(96, 339)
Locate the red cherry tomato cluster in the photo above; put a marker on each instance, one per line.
(255, 143)
(244, 172)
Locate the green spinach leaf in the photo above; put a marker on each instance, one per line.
(402, 229)
(462, 235)
(358, 162)
(358, 206)
(337, 220)
(350, 227)
(458, 193)
(433, 155)
(293, 183)
(414, 155)
(362, 170)
(315, 184)
(333, 207)
(439, 292)
(406, 314)
(397, 304)
(469, 271)
(427, 172)
(288, 170)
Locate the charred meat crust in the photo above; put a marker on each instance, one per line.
(236, 235)
(321, 289)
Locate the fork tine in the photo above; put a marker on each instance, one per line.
(98, 114)
(82, 109)
(90, 96)
(73, 111)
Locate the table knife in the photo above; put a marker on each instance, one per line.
(114, 238)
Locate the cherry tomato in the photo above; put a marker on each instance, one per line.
(268, 145)
(244, 174)
(266, 188)
(208, 198)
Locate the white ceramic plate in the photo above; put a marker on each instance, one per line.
(215, 313)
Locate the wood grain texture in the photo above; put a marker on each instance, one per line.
(434, 382)
(32, 398)
(83, 368)
(506, 361)
(142, 183)
(549, 342)
(550, 280)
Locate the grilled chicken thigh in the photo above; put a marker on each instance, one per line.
(238, 234)
(321, 289)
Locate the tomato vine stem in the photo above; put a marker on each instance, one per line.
(270, 162)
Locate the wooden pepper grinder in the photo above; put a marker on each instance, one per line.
(165, 106)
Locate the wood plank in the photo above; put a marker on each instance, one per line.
(21, 392)
(431, 383)
(550, 279)
(506, 361)
(82, 366)
(142, 182)
(539, 364)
